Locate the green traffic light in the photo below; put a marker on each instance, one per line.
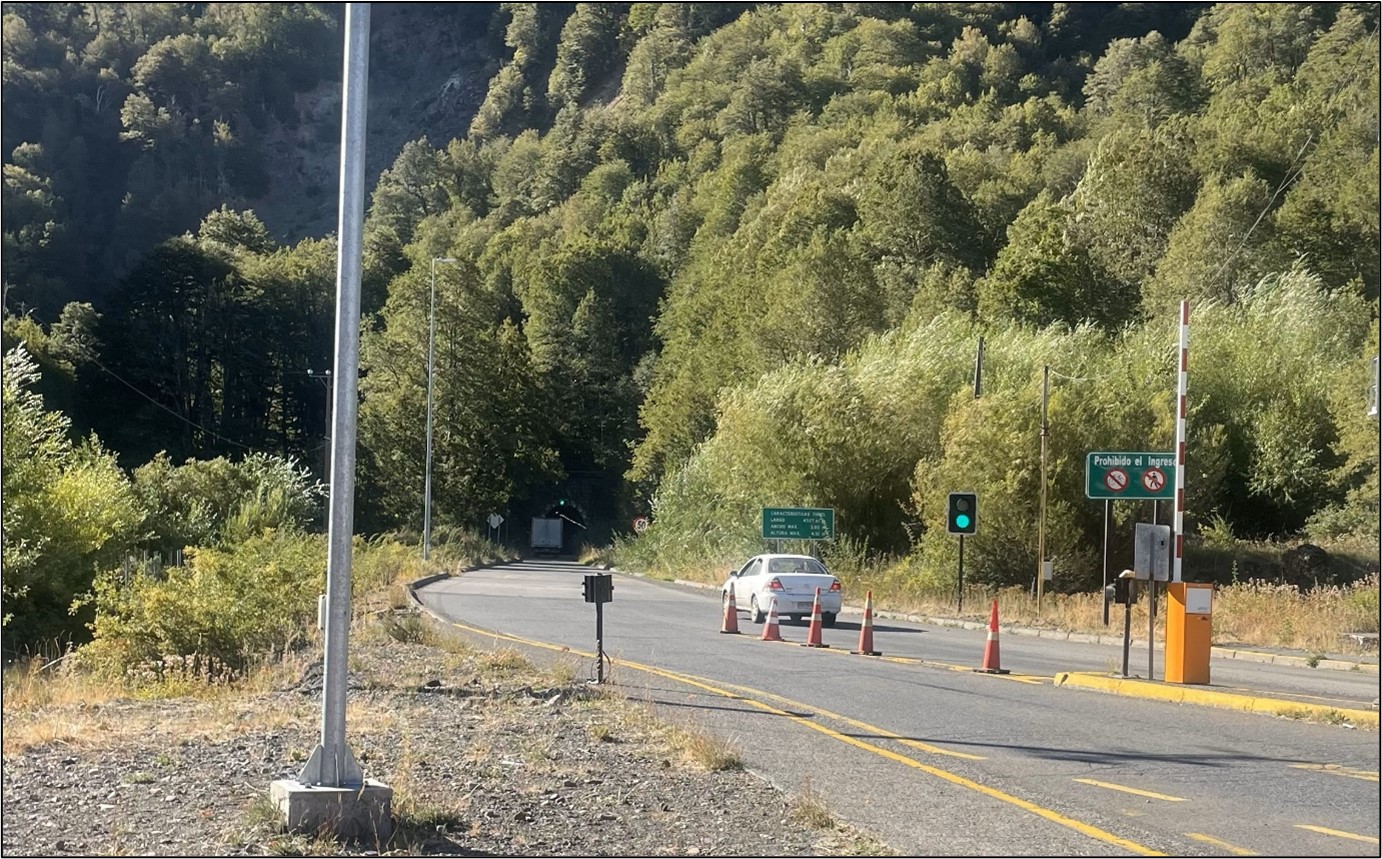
(962, 521)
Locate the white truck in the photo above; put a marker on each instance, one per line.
(546, 535)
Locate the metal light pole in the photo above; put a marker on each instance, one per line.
(1041, 525)
(331, 763)
(427, 481)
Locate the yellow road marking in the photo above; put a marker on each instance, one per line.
(1031, 679)
(1336, 833)
(1222, 845)
(1125, 789)
(961, 781)
(1335, 769)
(864, 726)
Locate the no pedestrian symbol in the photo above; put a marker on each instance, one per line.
(1129, 475)
(1116, 480)
(1153, 479)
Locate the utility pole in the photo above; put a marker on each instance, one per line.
(427, 480)
(978, 366)
(324, 376)
(1041, 525)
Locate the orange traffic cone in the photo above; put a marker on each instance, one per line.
(731, 621)
(991, 646)
(866, 630)
(770, 630)
(813, 635)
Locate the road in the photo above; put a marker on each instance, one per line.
(934, 758)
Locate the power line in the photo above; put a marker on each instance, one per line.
(190, 423)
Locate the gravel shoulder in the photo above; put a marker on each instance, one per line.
(487, 755)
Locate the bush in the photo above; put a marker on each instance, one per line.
(225, 605)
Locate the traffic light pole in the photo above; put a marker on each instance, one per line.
(960, 579)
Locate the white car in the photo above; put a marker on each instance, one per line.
(793, 579)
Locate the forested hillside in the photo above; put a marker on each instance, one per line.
(712, 257)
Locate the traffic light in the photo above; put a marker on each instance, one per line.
(962, 513)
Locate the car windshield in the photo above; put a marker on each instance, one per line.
(795, 565)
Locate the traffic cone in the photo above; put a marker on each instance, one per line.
(731, 621)
(991, 646)
(813, 635)
(770, 630)
(866, 630)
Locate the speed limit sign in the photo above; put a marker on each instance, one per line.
(640, 524)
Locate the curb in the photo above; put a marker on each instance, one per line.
(1226, 700)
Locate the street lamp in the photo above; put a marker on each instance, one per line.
(427, 484)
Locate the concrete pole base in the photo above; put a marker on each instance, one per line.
(364, 813)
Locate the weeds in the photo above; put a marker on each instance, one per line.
(706, 750)
(809, 809)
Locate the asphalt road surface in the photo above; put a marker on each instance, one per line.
(934, 758)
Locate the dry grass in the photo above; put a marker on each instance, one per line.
(809, 809)
(76, 708)
(1251, 613)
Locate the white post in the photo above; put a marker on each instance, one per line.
(1180, 439)
(332, 764)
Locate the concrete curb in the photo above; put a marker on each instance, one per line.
(1204, 697)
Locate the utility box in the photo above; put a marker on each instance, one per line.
(1151, 559)
(1189, 614)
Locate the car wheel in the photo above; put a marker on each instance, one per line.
(827, 618)
(755, 613)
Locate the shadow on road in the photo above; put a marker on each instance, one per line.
(1102, 756)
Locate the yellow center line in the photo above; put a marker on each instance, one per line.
(1337, 834)
(961, 781)
(1222, 845)
(1125, 789)
(1335, 769)
(1031, 679)
(863, 726)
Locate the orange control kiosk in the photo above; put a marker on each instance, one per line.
(1188, 613)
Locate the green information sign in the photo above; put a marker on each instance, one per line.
(1130, 475)
(798, 523)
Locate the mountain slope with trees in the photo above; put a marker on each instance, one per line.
(713, 257)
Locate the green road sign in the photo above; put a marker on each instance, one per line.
(798, 523)
(1131, 475)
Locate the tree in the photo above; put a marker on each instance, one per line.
(1045, 275)
(69, 512)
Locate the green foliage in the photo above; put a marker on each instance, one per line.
(223, 604)
(753, 273)
(68, 511)
(220, 502)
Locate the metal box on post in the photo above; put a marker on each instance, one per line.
(1152, 552)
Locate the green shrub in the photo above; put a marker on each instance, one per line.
(225, 604)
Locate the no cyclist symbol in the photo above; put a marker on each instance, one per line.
(1116, 479)
(1153, 479)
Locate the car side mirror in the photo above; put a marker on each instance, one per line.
(734, 574)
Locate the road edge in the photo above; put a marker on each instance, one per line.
(1137, 688)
